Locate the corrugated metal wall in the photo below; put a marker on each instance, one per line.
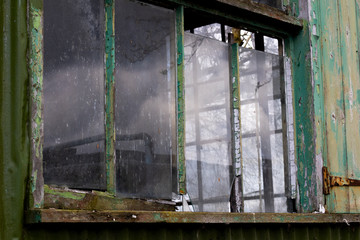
(197, 231)
(14, 117)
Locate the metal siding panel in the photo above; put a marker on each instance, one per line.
(195, 231)
(14, 135)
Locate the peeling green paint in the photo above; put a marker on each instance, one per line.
(298, 48)
(319, 112)
(180, 99)
(157, 217)
(110, 95)
(36, 78)
(64, 194)
(235, 107)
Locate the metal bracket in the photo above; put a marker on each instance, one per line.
(333, 181)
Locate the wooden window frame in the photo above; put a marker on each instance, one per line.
(250, 15)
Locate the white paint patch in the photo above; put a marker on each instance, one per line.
(319, 196)
(314, 30)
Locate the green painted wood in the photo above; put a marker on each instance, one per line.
(237, 203)
(335, 61)
(36, 194)
(110, 94)
(331, 72)
(336, 73)
(350, 75)
(235, 107)
(298, 49)
(180, 99)
(318, 95)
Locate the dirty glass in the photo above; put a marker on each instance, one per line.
(271, 45)
(262, 138)
(208, 132)
(272, 3)
(73, 153)
(145, 100)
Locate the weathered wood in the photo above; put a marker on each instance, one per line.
(180, 71)
(81, 200)
(318, 94)
(110, 95)
(36, 103)
(254, 16)
(83, 216)
(333, 98)
(350, 71)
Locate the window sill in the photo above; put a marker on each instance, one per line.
(57, 198)
(88, 216)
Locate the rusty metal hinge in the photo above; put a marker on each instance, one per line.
(333, 181)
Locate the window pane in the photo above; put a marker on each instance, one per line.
(74, 94)
(207, 111)
(271, 45)
(145, 100)
(272, 3)
(262, 137)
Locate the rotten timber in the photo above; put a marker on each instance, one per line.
(83, 216)
(248, 14)
(57, 198)
(180, 99)
(36, 182)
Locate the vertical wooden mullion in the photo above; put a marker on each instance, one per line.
(236, 199)
(110, 95)
(36, 96)
(180, 99)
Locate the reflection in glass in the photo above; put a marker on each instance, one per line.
(145, 100)
(271, 45)
(262, 132)
(74, 94)
(272, 3)
(213, 31)
(207, 112)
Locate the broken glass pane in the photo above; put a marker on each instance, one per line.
(207, 112)
(145, 100)
(73, 85)
(262, 138)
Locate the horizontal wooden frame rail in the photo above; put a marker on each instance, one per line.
(242, 14)
(88, 216)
